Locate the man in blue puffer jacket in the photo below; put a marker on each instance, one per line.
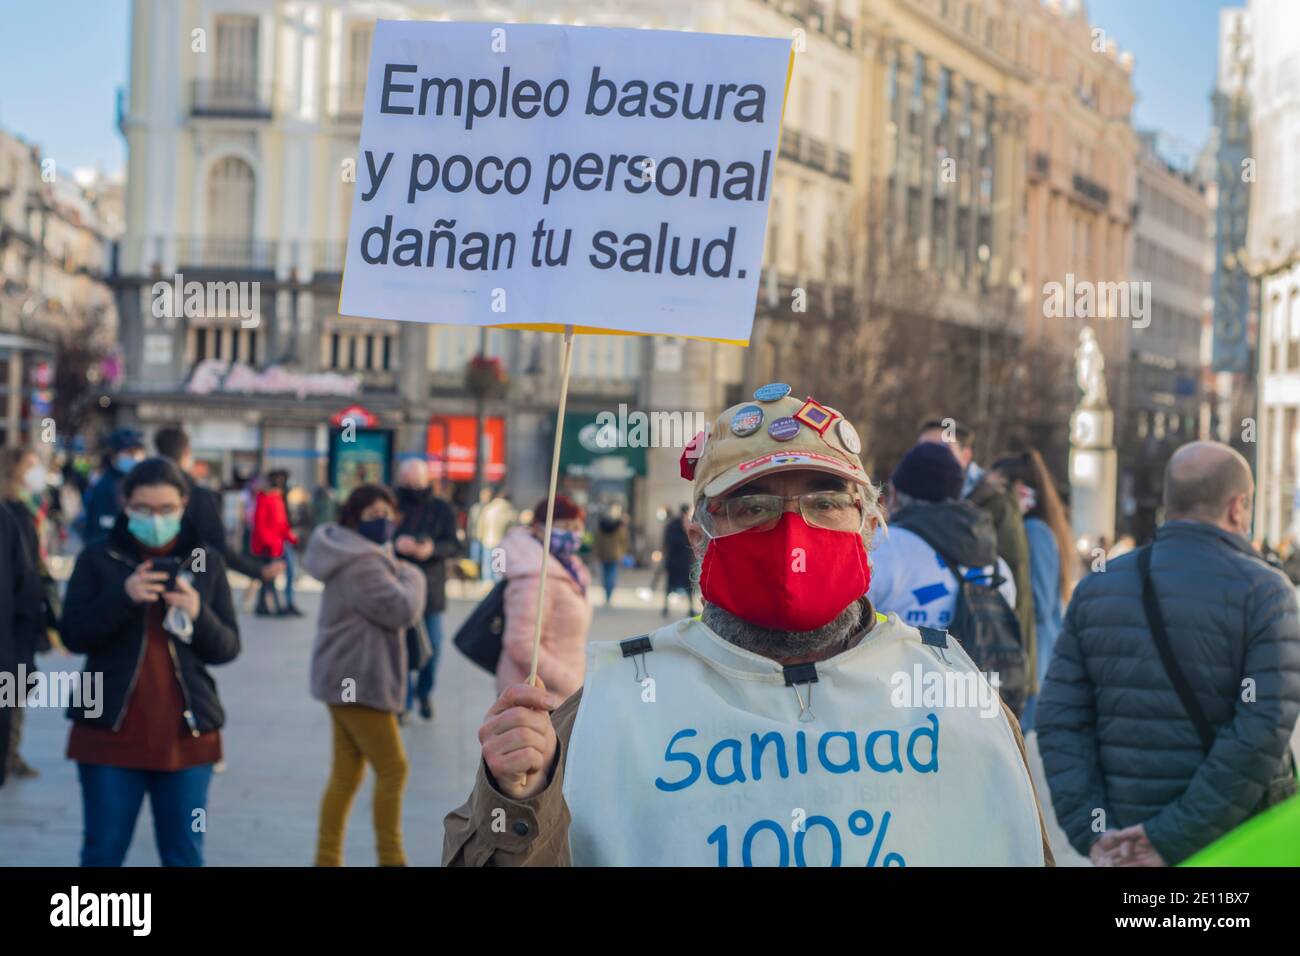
(1131, 782)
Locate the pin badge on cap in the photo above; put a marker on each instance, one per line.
(849, 436)
(783, 429)
(747, 420)
(816, 416)
(692, 453)
(772, 392)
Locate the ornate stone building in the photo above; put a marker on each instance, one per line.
(1079, 203)
(1273, 249)
(54, 234)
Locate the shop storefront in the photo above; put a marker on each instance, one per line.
(595, 468)
(449, 448)
(360, 451)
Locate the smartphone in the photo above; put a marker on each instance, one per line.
(170, 565)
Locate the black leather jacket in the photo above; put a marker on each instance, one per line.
(101, 621)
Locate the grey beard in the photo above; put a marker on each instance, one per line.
(786, 645)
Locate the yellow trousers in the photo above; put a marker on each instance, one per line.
(363, 735)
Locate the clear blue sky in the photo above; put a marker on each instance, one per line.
(61, 62)
(1175, 43)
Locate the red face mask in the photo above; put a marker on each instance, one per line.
(793, 577)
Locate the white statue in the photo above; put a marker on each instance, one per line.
(1090, 366)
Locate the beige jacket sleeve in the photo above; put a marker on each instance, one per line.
(1048, 858)
(492, 830)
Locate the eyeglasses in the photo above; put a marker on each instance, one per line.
(832, 510)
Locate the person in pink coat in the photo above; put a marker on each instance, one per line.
(562, 658)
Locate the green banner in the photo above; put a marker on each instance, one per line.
(598, 445)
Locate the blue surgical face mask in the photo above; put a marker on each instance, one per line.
(565, 543)
(378, 530)
(125, 462)
(153, 531)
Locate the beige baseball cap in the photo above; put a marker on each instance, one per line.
(773, 432)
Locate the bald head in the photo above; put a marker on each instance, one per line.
(1208, 481)
(414, 473)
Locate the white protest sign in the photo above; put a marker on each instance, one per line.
(903, 757)
(532, 175)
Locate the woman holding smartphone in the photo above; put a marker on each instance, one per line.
(151, 610)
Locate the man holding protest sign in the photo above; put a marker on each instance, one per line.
(790, 724)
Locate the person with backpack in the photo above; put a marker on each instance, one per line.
(938, 566)
(1170, 702)
(987, 491)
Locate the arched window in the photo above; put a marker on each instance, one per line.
(230, 222)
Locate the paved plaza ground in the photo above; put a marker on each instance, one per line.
(262, 810)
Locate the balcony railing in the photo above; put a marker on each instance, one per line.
(776, 290)
(843, 165)
(1090, 190)
(327, 257)
(843, 31)
(346, 104)
(289, 260)
(218, 252)
(813, 14)
(233, 98)
(816, 154)
(791, 144)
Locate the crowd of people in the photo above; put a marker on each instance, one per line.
(1130, 674)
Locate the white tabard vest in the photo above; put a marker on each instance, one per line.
(708, 763)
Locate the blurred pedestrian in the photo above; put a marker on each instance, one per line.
(938, 566)
(359, 666)
(988, 491)
(566, 619)
(17, 616)
(273, 539)
(151, 621)
(1173, 693)
(426, 537)
(1053, 561)
(104, 499)
(324, 509)
(23, 483)
(1291, 559)
(612, 541)
(663, 514)
(679, 559)
(486, 524)
(203, 509)
(930, 523)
